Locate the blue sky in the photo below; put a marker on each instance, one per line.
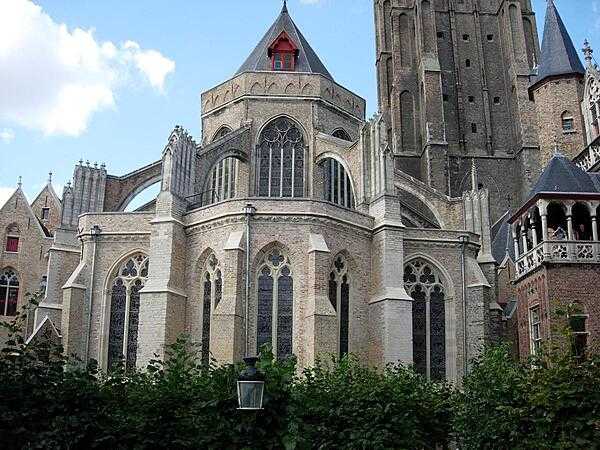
(108, 80)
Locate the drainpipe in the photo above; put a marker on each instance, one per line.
(94, 233)
(464, 241)
(249, 211)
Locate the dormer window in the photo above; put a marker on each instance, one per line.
(283, 53)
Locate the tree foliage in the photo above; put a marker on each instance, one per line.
(50, 401)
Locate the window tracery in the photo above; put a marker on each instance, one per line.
(222, 132)
(212, 295)
(339, 296)
(337, 185)
(9, 292)
(281, 160)
(275, 303)
(424, 285)
(125, 309)
(340, 133)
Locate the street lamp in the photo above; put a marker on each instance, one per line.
(250, 386)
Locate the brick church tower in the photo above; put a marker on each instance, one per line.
(557, 90)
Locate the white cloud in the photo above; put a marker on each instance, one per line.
(5, 193)
(7, 135)
(54, 79)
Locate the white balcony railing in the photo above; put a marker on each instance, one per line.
(558, 252)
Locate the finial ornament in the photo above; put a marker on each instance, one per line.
(588, 52)
(49, 177)
(284, 9)
(474, 183)
(20, 182)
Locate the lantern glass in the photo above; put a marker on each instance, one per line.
(250, 394)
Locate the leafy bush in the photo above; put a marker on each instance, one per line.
(50, 401)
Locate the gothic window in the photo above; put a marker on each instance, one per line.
(340, 133)
(339, 296)
(275, 304)
(9, 292)
(222, 132)
(337, 187)
(222, 181)
(424, 285)
(212, 294)
(125, 309)
(281, 160)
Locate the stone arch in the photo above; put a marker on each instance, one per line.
(256, 88)
(529, 42)
(307, 89)
(445, 275)
(112, 276)
(273, 88)
(120, 191)
(290, 89)
(221, 132)
(224, 171)
(341, 133)
(420, 205)
(331, 155)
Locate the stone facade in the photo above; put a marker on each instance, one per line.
(297, 222)
(26, 237)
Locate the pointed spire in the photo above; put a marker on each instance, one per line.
(558, 56)
(306, 58)
(20, 182)
(588, 52)
(49, 177)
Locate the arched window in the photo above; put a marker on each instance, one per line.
(281, 160)
(339, 296)
(275, 304)
(213, 292)
(557, 222)
(221, 132)
(582, 222)
(125, 310)
(424, 285)
(340, 133)
(568, 123)
(337, 187)
(9, 292)
(222, 181)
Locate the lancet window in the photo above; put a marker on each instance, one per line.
(222, 181)
(424, 285)
(125, 309)
(281, 160)
(9, 292)
(337, 186)
(339, 296)
(212, 294)
(275, 303)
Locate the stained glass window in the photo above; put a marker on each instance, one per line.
(275, 304)
(213, 292)
(337, 187)
(125, 310)
(339, 296)
(9, 292)
(221, 184)
(424, 285)
(281, 160)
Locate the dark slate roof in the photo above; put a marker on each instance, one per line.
(563, 175)
(307, 61)
(559, 56)
(501, 241)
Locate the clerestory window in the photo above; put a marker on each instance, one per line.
(337, 185)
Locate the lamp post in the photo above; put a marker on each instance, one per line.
(250, 386)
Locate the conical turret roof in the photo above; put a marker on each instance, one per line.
(307, 59)
(559, 56)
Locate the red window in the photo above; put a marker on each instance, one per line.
(283, 53)
(12, 244)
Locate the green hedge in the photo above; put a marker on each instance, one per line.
(337, 404)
